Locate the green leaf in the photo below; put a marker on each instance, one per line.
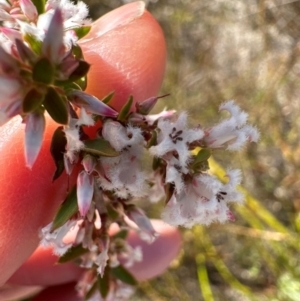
(100, 147)
(43, 71)
(40, 5)
(108, 97)
(32, 101)
(82, 31)
(66, 210)
(56, 106)
(73, 253)
(76, 50)
(80, 71)
(112, 213)
(34, 44)
(57, 149)
(156, 163)
(122, 274)
(153, 139)
(67, 85)
(121, 234)
(202, 155)
(91, 291)
(104, 282)
(126, 109)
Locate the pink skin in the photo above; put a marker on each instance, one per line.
(127, 51)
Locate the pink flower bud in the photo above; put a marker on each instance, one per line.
(34, 132)
(29, 9)
(89, 163)
(8, 65)
(53, 43)
(138, 216)
(91, 104)
(85, 191)
(68, 165)
(147, 105)
(11, 33)
(230, 216)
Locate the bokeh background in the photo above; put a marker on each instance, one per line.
(247, 50)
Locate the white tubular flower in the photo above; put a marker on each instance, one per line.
(55, 238)
(74, 144)
(123, 176)
(174, 136)
(204, 201)
(34, 134)
(85, 191)
(174, 174)
(75, 15)
(121, 137)
(233, 132)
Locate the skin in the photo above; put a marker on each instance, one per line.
(127, 53)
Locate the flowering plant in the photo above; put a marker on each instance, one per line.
(43, 72)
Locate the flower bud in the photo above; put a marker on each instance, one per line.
(138, 216)
(29, 9)
(91, 104)
(85, 191)
(88, 163)
(34, 133)
(53, 43)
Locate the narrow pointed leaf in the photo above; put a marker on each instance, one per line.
(202, 155)
(66, 210)
(153, 140)
(34, 44)
(126, 109)
(122, 274)
(121, 234)
(108, 98)
(104, 282)
(43, 71)
(56, 106)
(82, 31)
(80, 71)
(57, 149)
(91, 291)
(76, 50)
(40, 5)
(73, 253)
(100, 147)
(32, 101)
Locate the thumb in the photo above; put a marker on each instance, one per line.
(121, 61)
(127, 52)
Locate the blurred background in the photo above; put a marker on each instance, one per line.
(246, 50)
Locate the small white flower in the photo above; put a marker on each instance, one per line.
(101, 261)
(233, 132)
(204, 201)
(123, 175)
(55, 238)
(121, 137)
(174, 136)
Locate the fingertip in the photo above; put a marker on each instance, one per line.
(129, 59)
(158, 255)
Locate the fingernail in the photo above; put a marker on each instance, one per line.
(116, 18)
